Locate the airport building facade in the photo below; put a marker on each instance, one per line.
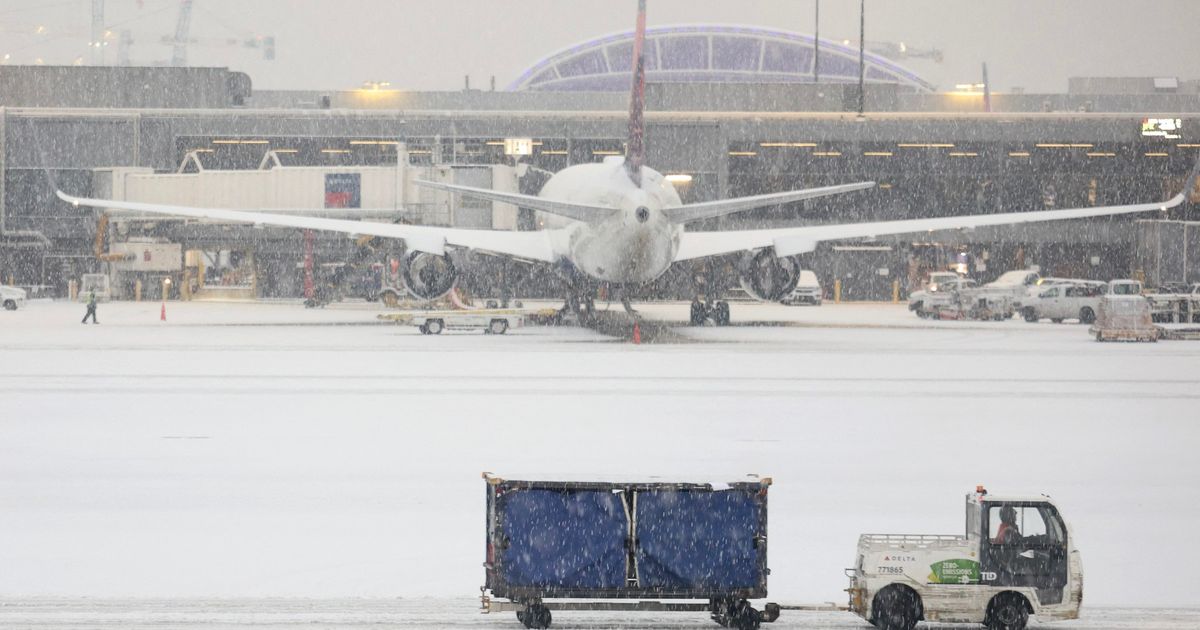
(1109, 141)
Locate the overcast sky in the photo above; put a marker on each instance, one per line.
(431, 44)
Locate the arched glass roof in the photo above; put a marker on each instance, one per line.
(707, 53)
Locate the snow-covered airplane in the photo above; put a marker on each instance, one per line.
(622, 223)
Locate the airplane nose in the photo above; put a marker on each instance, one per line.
(642, 213)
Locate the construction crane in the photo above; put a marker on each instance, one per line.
(180, 42)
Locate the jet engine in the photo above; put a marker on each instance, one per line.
(768, 277)
(428, 276)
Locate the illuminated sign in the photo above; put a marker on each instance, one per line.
(518, 146)
(1166, 128)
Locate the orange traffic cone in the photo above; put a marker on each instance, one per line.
(163, 317)
(637, 333)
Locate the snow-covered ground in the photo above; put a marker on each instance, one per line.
(258, 450)
(446, 613)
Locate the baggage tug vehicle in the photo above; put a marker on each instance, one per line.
(1017, 559)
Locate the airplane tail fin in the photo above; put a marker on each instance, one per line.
(635, 149)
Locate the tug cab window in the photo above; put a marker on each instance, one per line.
(1029, 525)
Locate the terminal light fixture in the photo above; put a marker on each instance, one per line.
(1157, 154)
(600, 152)
(878, 153)
(788, 144)
(240, 141)
(1018, 154)
(373, 142)
(963, 154)
(827, 153)
(679, 178)
(1188, 146)
(553, 152)
(335, 150)
(1101, 154)
(1063, 145)
(287, 151)
(743, 153)
(925, 145)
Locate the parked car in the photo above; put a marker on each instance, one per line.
(1073, 299)
(807, 291)
(11, 298)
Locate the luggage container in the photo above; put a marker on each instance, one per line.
(651, 544)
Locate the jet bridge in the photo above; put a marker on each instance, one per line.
(244, 253)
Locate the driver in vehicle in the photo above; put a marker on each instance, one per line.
(1009, 532)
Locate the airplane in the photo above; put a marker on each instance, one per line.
(620, 222)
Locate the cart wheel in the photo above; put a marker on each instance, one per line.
(498, 326)
(10, 305)
(744, 616)
(1030, 314)
(535, 616)
(434, 327)
(1086, 315)
(698, 313)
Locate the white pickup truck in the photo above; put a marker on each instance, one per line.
(1064, 299)
(1016, 559)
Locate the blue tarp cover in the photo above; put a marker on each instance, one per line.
(563, 539)
(697, 540)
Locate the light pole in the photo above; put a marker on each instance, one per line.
(817, 43)
(862, 55)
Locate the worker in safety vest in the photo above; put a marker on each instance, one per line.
(1008, 532)
(91, 308)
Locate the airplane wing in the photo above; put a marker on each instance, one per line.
(710, 209)
(576, 211)
(798, 240)
(527, 245)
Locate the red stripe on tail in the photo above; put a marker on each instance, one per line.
(635, 149)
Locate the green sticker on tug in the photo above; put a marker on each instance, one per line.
(956, 571)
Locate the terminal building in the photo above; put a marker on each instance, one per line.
(731, 111)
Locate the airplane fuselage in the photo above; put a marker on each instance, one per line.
(634, 246)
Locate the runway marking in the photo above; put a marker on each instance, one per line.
(706, 393)
(593, 378)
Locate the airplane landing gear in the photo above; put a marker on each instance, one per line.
(716, 310)
(581, 307)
